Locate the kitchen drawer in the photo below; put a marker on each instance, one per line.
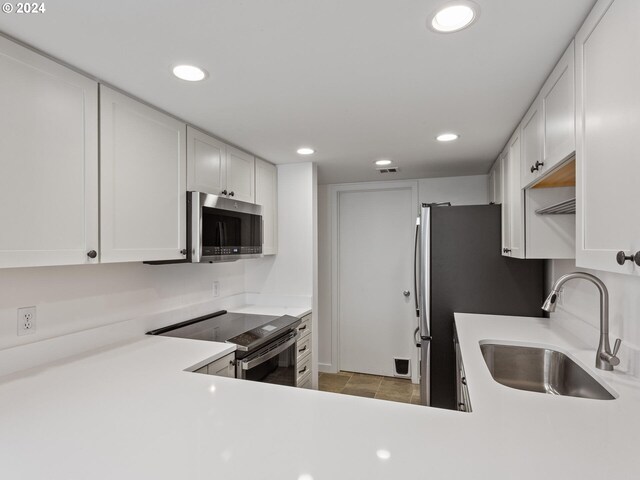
(305, 326)
(304, 369)
(304, 347)
(223, 367)
(305, 381)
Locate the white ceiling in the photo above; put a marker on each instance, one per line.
(358, 80)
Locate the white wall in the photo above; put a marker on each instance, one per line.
(290, 272)
(76, 298)
(471, 190)
(578, 310)
(467, 190)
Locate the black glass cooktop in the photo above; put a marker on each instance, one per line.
(247, 331)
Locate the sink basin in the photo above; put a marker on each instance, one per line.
(541, 370)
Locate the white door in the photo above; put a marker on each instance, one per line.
(375, 265)
(48, 161)
(206, 165)
(240, 175)
(143, 182)
(607, 147)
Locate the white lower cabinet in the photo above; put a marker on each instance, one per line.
(223, 367)
(607, 147)
(267, 197)
(304, 363)
(142, 181)
(49, 159)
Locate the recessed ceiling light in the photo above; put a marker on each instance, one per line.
(382, 163)
(306, 151)
(189, 73)
(447, 137)
(454, 16)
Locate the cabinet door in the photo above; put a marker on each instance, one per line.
(532, 139)
(558, 106)
(267, 197)
(223, 367)
(608, 122)
(49, 157)
(506, 220)
(240, 175)
(513, 195)
(143, 181)
(206, 165)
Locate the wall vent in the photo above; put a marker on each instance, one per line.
(388, 170)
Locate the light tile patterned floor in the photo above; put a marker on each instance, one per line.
(371, 386)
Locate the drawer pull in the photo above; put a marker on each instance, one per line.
(303, 370)
(302, 349)
(463, 380)
(303, 327)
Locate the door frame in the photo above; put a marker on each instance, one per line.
(334, 202)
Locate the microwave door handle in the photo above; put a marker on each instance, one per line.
(220, 238)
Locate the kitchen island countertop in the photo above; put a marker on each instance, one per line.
(131, 411)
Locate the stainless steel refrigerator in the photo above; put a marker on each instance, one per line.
(459, 267)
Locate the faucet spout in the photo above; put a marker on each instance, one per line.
(606, 358)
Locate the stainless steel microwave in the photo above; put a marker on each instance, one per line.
(222, 229)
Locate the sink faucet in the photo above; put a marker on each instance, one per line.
(605, 358)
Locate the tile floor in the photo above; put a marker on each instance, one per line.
(371, 386)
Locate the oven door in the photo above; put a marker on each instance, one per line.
(223, 229)
(274, 363)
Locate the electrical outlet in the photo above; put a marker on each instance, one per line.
(216, 289)
(26, 320)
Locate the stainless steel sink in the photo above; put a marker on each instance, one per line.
(541, 370)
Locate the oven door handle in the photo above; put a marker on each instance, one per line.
(268, 355)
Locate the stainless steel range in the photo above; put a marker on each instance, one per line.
(265, 344)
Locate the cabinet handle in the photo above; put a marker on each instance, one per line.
(223, 192)
(183, 251)
(303, 370)
(302, 349)
(463, 380)
(537, 166)
(506, 250)
(304, 327)
(92, 254)
(462, 407)
(621, 258)
(231, 194)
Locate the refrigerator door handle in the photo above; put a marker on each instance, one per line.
(425, 273)
(415, 267)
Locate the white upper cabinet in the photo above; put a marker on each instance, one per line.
(548, 128)
(495, 182)
(206, 163)
(240, 175)
(559, 113)
(217, 168)
(267, 197)
(49, 161)
(142, 181)
(532, 140)
(608, 123)
(513, 198)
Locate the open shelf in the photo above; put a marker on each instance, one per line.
(565, 176)
(562, 208)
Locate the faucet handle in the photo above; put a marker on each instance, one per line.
(616, 346)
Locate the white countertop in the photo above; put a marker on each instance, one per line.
(130, 411)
